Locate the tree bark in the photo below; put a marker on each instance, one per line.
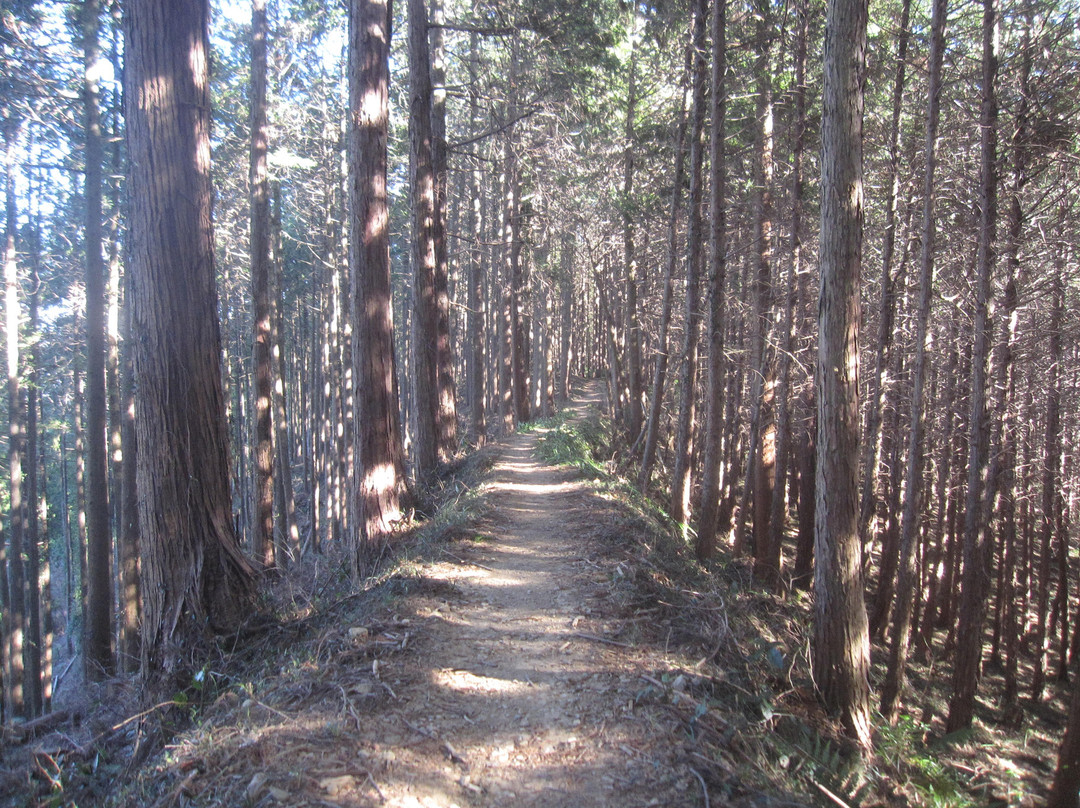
(656, 399)
(380, 468)
(15, 668)
(841, 652)
(196, 579)
(975, 584)
(263, 539)
(424, 213)
(913, 479)
(99, 660)
(680, 478)
(705, 543)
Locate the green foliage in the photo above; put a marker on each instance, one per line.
(575, 443)
(918, 766)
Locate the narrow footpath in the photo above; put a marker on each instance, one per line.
(510, 695)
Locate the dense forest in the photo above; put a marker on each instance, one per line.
(272, 269)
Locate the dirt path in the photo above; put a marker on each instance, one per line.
(507, 698)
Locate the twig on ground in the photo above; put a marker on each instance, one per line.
(465, 561)
(704, 788)
(605, 640)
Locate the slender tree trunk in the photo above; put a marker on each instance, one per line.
(656, 399)
(284, 495)
(446, 403)
(975, 584)
(631, 328)
(196, 579)
(887, 305)
(680, 478)
(15, 668)
(1050, 497)
(476, 302)
(130, 601)
(913, 479)
(33, 648)
(841, 650)
(263, 539)
(424, 258)
(705, 543)
(99, 650)
(763, 390)
(771, 564)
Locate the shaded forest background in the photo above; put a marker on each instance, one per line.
(575, 148)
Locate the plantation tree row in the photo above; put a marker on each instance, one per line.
(428, 218)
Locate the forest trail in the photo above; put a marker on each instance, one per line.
(507, 695)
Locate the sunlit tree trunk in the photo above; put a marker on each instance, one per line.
(15, 667)
(841, 649)
(196, 579)
(263, 528)
(380, 466)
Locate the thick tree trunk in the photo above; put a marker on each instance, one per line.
(976, 580)
(196, 579)
(380, 468)
(841, 651)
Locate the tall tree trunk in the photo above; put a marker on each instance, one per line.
(671, 257)
(446, 403)
(705, 543)
(631, 328)
(15, 668)
(284, 495)
(976, 580)
(887, 305)
(763, 389)
(263, 538)
(680, 477)
(196, 579)
(130, 599)
(476, 308)
(99, 598)
(33, 647)
(841, 651)
(424, 215)
(380, 466)
(1050, 496)
(770, 563)
(913, 478)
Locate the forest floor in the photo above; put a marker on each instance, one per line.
(545, 646)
